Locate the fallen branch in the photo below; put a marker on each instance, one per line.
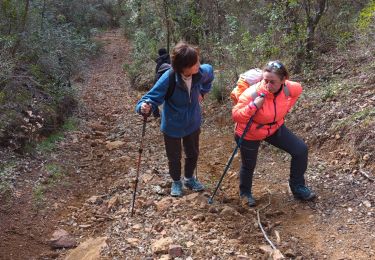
(260, 224)
(276, 254)
(364, 174)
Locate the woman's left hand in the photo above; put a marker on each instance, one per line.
(200, 98)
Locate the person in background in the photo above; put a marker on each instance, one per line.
(163, 58)
(181, 114)
(268, 114)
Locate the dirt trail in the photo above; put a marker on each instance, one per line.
(100, 160)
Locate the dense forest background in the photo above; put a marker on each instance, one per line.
(44, 45)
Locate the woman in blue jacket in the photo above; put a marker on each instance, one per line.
(181, 115)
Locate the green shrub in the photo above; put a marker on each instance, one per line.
(366, 16)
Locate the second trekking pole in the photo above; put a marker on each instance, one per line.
(211, 199)
(139, 162)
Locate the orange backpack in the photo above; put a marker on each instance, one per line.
(246, 80)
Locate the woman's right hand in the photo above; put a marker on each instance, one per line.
(258, 101)
(146, 108)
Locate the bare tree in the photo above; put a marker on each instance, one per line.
(314, 10)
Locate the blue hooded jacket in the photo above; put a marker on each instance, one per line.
(181, 114)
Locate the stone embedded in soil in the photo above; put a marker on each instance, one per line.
(113, 202)
(175, 251)
(62, 239)
(367, 203)
(90, 249)
(114, 145)
(133, 241)
(163, 204)
(229, 211)
(161, 245)
(290, 253)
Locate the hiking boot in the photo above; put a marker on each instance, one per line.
(176, 190)
(301, 192)
(249, 198)
(193, 184)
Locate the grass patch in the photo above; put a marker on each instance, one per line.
(334, 89)
(49, 144)
(364, 117)
(55, 173)
(70, 124)
(5, 183)
(38, 193)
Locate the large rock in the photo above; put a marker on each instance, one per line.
(62, 239)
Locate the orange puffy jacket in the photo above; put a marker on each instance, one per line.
(270, 116)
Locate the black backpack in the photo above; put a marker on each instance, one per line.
(171, 77)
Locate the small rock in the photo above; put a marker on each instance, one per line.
(366, 157)
(163, 204)
(290, 253)
(242, 257)
(161, 245)
(266, 249)
(114, 145)
(164, 257)
(133, 241)
(229, 211)
(113, 202)
(95, 200)
(189, 244)
(277, 255)
(367, 203)
(199, 217)
(175, 251)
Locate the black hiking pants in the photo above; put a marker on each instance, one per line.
(174, 150)
(284, 139)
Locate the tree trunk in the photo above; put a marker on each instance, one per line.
(312, 22)
(22, 28)
(166, 15)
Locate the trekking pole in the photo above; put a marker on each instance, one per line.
(211, 199)
(139, 162)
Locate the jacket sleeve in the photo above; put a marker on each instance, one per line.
(295, 90)
(207, 78)
(244, 109)
(156, 95)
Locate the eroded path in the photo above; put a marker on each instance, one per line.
(100, 161)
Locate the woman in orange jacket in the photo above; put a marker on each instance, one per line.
(268, 114)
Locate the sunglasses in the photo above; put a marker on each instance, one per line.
(274, 64)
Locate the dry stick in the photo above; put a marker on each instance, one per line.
(260, 224)
(363, 173)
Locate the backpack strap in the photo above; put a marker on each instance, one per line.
(171, 84)
(286, 90)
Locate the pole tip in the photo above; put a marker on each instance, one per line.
(210, 201)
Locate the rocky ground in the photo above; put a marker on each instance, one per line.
(82, 203)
